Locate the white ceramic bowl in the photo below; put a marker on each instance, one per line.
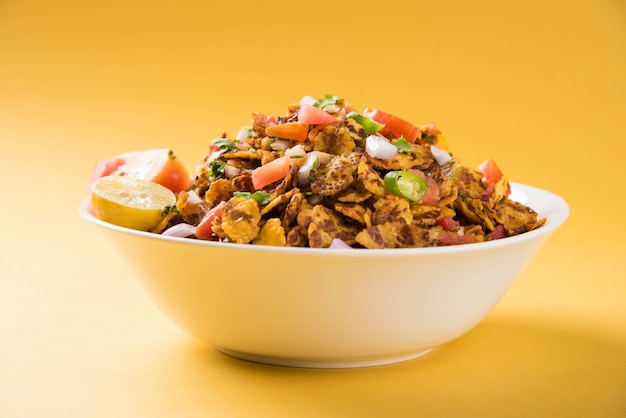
(329, 308)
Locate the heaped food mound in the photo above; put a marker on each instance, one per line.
(327, 175)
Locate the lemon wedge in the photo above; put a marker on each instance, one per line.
(130, 202)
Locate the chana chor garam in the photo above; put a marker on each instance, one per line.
(321, 175)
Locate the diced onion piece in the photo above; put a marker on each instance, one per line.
(215, 155)
(323, 157)
(331, 108)
(181, 230)
(244, 133)
(311, 161)
(338, 243)
(193, 198)
(296, 154)
(280, 145)
(242, 146)
(378, 147)
(441, 156)
(231, 170)
(308, 100)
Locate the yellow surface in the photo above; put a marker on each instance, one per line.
(539, 86)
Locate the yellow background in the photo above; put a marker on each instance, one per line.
(537, 85)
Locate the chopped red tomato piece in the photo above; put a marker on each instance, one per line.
(497, 233)
(291, 130)
(432, 193)
(448, 223)
(394, 125)
(491, 171)
(204, 230)
(157, 165)
(492, 174)
(432, 130)
(270, 172)
(378, 115)
(314, 116)
(106, 168)
(452, 238)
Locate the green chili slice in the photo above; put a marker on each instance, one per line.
(370, 126)
(406, 184)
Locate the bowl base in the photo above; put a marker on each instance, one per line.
(323, 364)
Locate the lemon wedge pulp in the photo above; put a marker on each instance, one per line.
(130, 202)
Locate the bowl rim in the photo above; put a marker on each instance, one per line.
(559, 212)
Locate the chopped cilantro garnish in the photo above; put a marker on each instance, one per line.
(403, 145)
(328, 100)
(169, 209)
(224, 144)
(216, 169)
(261, 197)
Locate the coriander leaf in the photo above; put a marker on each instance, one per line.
(261, 197)
(224, 144)
(216, 169)
(169, 209)
(328, 100)
(403, 145)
